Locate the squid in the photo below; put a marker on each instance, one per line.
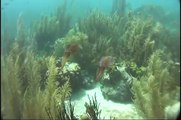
(69, 51)
(104, 63)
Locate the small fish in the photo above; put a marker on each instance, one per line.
(70, 50)
(105, 62)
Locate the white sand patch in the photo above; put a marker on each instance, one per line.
(109, 108)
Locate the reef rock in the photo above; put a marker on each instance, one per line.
(71, 72)
(88, 82)
(115, 85)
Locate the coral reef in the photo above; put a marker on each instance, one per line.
(138, 40)
(115, 85)
(74, 36)
(155, 89)
(133, 69)
(146, 66)
(103, 33)
(24, 98)
(71, 72)
(50, 28)
(11, 97)
(164, 30)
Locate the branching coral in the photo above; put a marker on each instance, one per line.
(154, 90)
(54, 95)
(33, 106)
(74, 36)
(49, 28)
(170, 43)
(98, 24)
(28, 92)
(138, 40)
(10, 88)
(103, 35)
(22, 96)
(13, 75)
(46, 32)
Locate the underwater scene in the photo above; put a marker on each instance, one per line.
(90, 59)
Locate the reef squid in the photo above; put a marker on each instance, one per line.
(104, 63)
(69, 51)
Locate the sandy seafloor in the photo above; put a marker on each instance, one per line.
(108, 108)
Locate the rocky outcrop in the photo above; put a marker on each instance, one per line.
(115, 85)
(88, 80)
(71, 72)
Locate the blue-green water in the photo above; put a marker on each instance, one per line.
(33, 9)
(116, 59)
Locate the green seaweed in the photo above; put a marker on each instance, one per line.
(119, 7)
(74, 36)
(29, 86)
(24, 98)
(152, 90)
(50, 28)
(11, 97)
(103, 33)
(138, 40)
(92, 108)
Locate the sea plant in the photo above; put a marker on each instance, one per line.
(32, 98)
(10, 88)
(92, 108)
(74, 36)
(65, 112)
(103, 33)
(138, 40)
(12, 75)
(155, 90)
(118, 7)
(50, 28)
(98, 24)
(53, 95)
(23, 97)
